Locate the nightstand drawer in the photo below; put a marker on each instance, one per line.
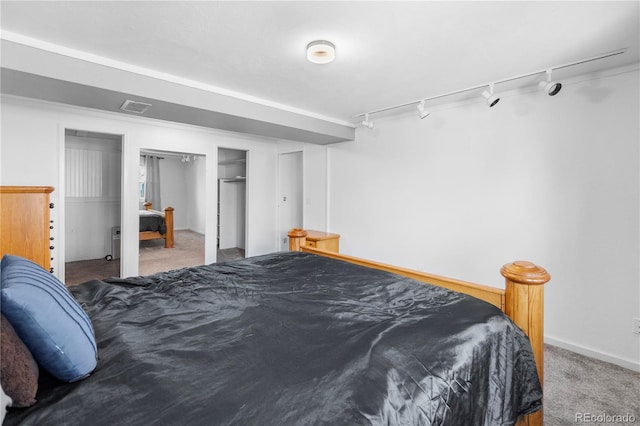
(323, 240)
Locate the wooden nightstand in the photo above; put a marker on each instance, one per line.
(323, 240)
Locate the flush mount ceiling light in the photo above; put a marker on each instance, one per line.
(551, 88)
(492, 99)
(321, 52)
(422, 112)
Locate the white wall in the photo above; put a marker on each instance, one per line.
(232, 214)
(553, 180)
(196, 192)
(173, 184)
(34, 130)
(89, 220)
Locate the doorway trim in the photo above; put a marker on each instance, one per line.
(60, 245)
(247, 155)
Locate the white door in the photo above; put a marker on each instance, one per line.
(289, 195)
(230, 199)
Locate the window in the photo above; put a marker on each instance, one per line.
(142, 178)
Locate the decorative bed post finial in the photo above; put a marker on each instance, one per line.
(297, 239)
(524, 304)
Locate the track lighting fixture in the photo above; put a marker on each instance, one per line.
(366, 123)
(550, 87)
(422, 112)
(187, 158)
(492, 99)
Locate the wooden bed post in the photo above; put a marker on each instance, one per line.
(524, 304)
(297, 239)
(168, 221)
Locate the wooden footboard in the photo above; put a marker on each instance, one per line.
(168, 221)
(522, 299)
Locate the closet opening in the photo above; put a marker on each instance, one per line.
(232, 201)
(93, 164)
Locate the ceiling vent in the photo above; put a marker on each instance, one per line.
(136, 107)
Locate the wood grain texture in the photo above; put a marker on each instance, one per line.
(297, 239)
(168, 221)
(525, 306)
(24, 223)
(323, 240)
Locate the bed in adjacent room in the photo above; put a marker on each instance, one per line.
(291, 338)
(155, 224)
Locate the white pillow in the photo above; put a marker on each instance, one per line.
(5, 401)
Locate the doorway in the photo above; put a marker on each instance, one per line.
(176, 180)
(232, 202)
(93, 164)
(289, 195)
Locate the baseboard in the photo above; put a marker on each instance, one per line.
(189, 229)
(622, 362)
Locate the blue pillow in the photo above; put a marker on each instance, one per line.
(50, 322)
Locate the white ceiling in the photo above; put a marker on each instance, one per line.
(388, 52)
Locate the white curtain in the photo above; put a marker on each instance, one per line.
(153, 182)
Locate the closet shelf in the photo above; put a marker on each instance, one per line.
(236, 161)
(233, 179)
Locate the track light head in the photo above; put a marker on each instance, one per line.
(366, 123)
(422, 112)
(550, 87)
(491, 99)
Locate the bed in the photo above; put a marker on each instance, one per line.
(155, 224)
(304, 337)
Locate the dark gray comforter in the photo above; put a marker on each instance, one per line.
(292, 339)
(150, 221)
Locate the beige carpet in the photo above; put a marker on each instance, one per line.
(577, 388)
(188, 251)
